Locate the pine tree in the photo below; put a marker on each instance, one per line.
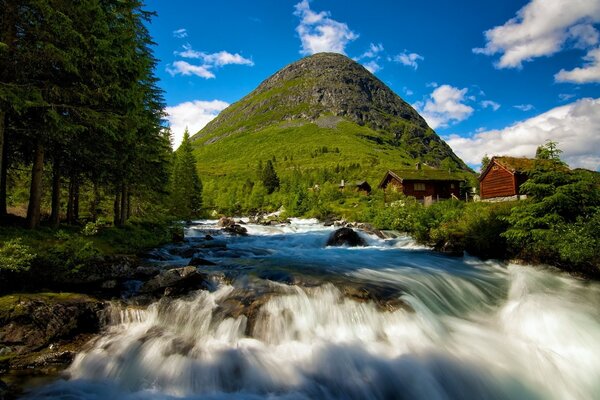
(269, 177)
(186, 186)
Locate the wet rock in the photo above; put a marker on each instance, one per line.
(225, 222)
(208, 237)
(345, 236)
(196, 261)
(451, 248)
(30, 323)
(182, 279)
(278, 276)
(370, 229)
(236, 229)
(145, 272)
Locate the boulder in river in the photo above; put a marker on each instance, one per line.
(225, 222)
(345, 236)
(236, 229)
(186, 278)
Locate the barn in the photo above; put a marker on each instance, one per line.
(504, 176)
(423, 183)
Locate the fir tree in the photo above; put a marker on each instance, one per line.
(269, 177)
(186, 187)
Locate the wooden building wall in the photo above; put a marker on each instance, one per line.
(498, 182)
(442, 189)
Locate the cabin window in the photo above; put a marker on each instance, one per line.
(495, 168)
(452, 186)
(419, 187)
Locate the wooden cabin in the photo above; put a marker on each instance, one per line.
(504, 176)
(363, 187)
(423, 183)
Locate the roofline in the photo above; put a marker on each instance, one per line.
(402, 180)
(489, 166)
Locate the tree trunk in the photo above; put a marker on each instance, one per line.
(117, 209)
(76, 200)
(128, 205)
(35, 191)
(95, 202)
(123, 217)
(2, 164)
(3, 173)
(70, 201)
(55, 215)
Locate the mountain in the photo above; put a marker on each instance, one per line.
(323, 111)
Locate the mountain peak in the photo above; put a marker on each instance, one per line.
(334, 88)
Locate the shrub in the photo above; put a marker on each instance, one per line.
(15, 256)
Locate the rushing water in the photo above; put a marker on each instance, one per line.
(289, 322)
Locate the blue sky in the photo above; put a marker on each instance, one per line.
(491, 77)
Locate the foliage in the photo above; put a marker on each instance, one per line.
(269, 178)
(15, 256)
(185, 186)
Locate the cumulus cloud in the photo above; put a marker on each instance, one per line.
(320, 33)
(209, 62)
(491, 104)
(575, 126)
(542, 28)
(565, 96)
(444, 106)
(218, 59)
(185, 68)
(373, 51)
(590, 72)
(180, 33)
(408, 59)
(193, 115)
(524, 107)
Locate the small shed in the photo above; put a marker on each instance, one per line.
(504, 176)
(363, 186)
(422, 183)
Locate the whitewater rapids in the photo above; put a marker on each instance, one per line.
(462, 328)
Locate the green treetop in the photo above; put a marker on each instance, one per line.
(186, 187)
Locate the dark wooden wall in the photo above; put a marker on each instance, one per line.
(498, 182)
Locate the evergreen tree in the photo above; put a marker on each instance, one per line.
(269, 177)
(186, 187)
(485, 161)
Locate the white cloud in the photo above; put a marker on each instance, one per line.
(489, 103)
(432, 84)
(373, 51)
(210, 61)
(445, 106)
(185, 68)
(192, 114)
(565, 96)
(408, 59)
(524, 107)
(218, 59)
(590, 72)
(575, 126)
(180, 33)
(407, 91)
(372, 66)
(542, 28)
(319, 33)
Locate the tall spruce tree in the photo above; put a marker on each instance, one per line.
(186, 186)
(270, 178)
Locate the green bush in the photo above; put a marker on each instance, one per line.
(16, 256)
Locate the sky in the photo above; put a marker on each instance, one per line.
(490, 77)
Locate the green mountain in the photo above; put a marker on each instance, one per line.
(324, 116)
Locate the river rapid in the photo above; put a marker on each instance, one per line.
(285, 317)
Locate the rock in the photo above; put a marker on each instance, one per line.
(183, 279)
(370, 229)
(225, 222)
(31, 323)
(208, 237)
(278, 276)
(196, 261)
(145, 272)
(451, 248)
(236, 229)
(345, 236)
(110, 284)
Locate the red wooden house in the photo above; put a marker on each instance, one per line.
(504, 176)
(422, 183)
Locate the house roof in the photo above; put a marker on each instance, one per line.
(422, 175)
(515, 164)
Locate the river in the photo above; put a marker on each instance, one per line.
(288, 318)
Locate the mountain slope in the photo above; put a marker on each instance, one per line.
(323, 112)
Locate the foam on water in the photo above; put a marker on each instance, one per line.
(470, 330)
